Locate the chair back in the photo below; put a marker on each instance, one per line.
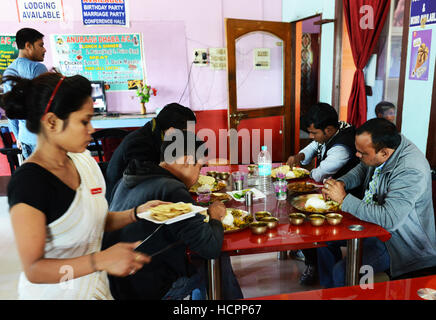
(9, 149)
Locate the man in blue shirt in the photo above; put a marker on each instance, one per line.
(30, 51)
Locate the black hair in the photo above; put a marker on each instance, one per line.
(28, 99)
(321, 115)
(27, 35)
(384, 134)
(383, 106)
(176, 116)
(182, 143)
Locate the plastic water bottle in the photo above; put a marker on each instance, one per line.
(264, 164)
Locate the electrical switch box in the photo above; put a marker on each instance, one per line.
(201, 57)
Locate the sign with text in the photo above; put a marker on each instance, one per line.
(115, 59)
(419, 55)
(8, 51)
(33, 10)
(105, 12)
(422, 12)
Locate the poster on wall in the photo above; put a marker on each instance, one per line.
(105, 12)
(422, 11)
(419, 54)
(8, 51)
(115, 59)
(34, 10)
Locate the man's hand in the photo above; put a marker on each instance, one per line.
(295, 160)
(217, 210)
(334, 190)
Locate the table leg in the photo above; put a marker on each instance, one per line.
(354, 261)
(282, 255)
(214, 273)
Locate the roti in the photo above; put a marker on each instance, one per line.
(168, 211)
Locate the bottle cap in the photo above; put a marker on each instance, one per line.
(264, 148)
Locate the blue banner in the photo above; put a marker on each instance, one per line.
(104, 12)
(422, 9)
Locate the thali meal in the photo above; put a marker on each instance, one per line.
(289, 173)
(301, 187)
(164, 212)
(236, 219)
(318, 204)
(219, 196)
(203, 181)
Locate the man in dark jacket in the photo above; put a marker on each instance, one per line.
(170, 275)
(334, 150)
(144, 143)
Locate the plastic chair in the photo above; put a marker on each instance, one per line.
(10, 150)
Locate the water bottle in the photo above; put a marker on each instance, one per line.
(264, 164)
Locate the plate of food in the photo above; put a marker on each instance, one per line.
(294, 173)
(236, 220)
(239, 195)
(301, 187)
(170, 213)
(314, 203)
(208, 181)
(220, 196)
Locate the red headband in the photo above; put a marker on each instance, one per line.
(53, 94)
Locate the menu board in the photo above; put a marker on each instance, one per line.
(8, 52)
(115, 59)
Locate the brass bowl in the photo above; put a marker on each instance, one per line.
(223, 175)
(297, 218)
(271, 222)
(258, 227)
(262, 214)
(316, 219)
(333, 218)
(212, 174)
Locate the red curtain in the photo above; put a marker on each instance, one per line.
(364, 20)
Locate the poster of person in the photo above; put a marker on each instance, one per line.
(419, 55)
(112, 58)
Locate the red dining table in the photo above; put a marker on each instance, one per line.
(290, 237)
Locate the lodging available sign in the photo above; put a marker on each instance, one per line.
(105, 12)
(115, 59)
(32, 10)
(8, 51)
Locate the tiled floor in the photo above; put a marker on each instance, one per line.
(258, 274)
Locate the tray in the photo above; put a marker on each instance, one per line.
(257, 194)
(244, 214)
(146, 215)
(299, 202)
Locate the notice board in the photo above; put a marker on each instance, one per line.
(116, 59)
(8, 51)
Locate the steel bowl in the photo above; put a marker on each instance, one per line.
(297, 218)
(223, 175)
(333, 218)
(212, 174)
(258, 227)
(316, 219)
(262, 214)
(271, 222)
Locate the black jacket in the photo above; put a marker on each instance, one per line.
(147, 182)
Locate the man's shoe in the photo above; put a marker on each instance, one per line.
(309, 276)
(297, 255)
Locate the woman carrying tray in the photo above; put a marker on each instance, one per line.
(56, 198)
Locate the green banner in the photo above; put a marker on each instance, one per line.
(8, 52)
(115, 59)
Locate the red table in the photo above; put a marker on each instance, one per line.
(290, 237)
(406, 289)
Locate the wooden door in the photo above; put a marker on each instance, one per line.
(280, 34)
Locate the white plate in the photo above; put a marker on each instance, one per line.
(146, 215)
(257, 194)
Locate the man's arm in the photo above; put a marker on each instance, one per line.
(355, 177)
(336, 158)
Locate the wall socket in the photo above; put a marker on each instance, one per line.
(201, 57)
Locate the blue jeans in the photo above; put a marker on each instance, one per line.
(331, 266)
(185, 286)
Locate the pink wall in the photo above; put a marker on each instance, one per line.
(171, 31)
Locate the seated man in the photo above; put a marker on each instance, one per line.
(144, 143)
(385, 109)
(333, 147)
(398, 197)
(170, 275)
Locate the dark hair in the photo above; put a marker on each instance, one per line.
(28, 98)
(383, 106)
(321, 115)
(384, 134)
(175, 115)
(190, 143)
(27, 35)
